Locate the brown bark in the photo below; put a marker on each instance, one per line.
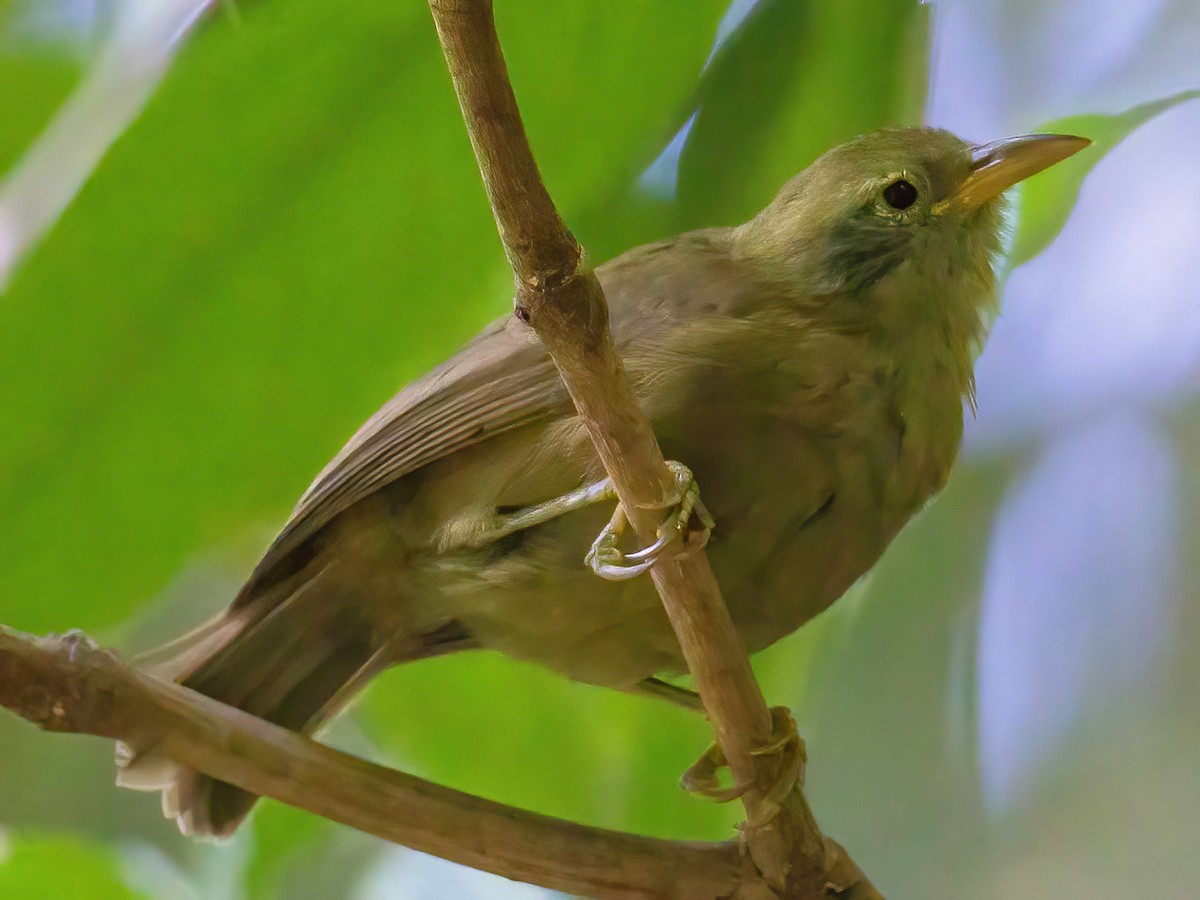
(68, 684)
(559, 296)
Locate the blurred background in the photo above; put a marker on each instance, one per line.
(229, 231)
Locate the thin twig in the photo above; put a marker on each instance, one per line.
(69, 684)
(559, 296)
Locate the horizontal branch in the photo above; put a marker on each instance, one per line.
(70, 684)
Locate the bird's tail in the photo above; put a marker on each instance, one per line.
(294, 656)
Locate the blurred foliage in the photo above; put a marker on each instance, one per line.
(292, 229)
(1047, 198)
(57, 868)
(820, 73)
(31, 88)
(265, 292)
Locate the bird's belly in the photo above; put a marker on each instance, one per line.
(778, 565)
(811, 561)
(803, 506)
(538, 601)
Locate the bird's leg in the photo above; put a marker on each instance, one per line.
(609, 561)
(664, 690)
(605, 556)
(530, 516)
(702, 779)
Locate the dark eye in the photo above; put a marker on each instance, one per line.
(900, 194)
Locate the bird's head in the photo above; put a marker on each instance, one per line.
(897, 220)
(920, 196)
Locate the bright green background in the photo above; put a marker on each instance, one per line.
(292, 229)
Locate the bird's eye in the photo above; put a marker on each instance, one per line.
(900, 194)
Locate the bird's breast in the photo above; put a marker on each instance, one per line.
(810, 487)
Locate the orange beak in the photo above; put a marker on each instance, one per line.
(997, 166)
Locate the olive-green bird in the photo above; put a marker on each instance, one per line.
(809, 366)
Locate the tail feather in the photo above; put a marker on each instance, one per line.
(287, 662)
(294, 655)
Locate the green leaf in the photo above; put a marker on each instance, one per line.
(1048, 198)
(521, 735)
(285, 839)
(293, 229)
(58, 868)
(602, 86)
(798, 79)
(31, 87)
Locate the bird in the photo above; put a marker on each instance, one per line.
(806, 371)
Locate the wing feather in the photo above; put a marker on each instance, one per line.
(501, 381)
(505, 380)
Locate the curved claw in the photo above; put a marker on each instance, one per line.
(608, 561)
(701, 777)
(617, 572)
(788, 744)
(697, 543)
(654, 551)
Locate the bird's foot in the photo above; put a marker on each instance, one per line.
(785, 742)
(609, 561)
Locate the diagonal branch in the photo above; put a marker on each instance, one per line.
(70, 684)
(560, 297)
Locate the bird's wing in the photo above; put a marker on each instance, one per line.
(501, 381)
